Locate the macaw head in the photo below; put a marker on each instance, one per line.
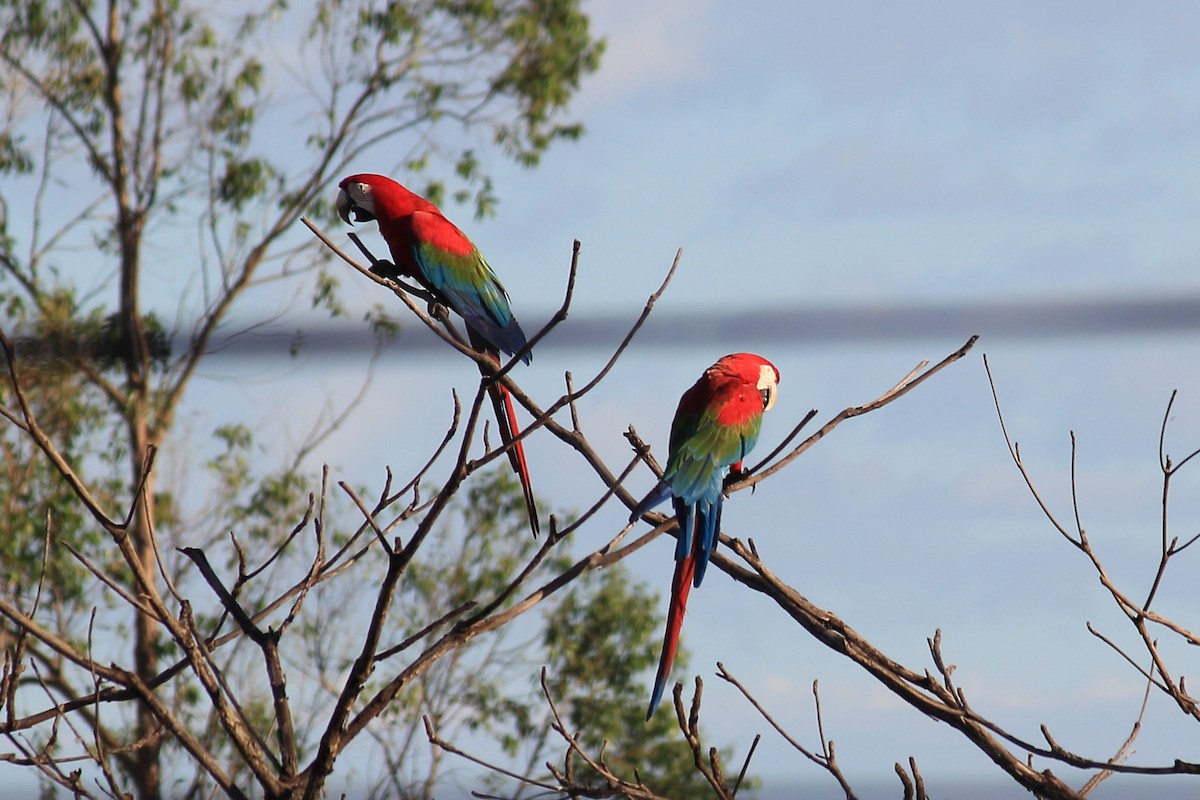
(356, 198)
(750, 368)
(367, 196)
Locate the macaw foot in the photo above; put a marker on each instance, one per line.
(438, 311)
(385, 269)
(737, 473)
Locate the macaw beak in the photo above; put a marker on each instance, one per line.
(344, 206)
(768, 386)
(350, 211)
(768, 397)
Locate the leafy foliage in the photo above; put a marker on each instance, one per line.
(141, 145)
(602, 640)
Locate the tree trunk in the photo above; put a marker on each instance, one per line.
(147, 777)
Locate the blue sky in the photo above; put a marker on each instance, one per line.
(866, 154)
(862, 154)
(857, 155)
(855, 152)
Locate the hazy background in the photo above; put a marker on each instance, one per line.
(857, 187)
(908, 175)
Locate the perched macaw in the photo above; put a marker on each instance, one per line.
(715, 426)
(428, 248)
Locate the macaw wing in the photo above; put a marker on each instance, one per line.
(457, 271)
(702, 453)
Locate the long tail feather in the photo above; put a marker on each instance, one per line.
(709, 536)
(681, 585)
(659, 493)
(506, 422)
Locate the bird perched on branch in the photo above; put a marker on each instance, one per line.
(429, 249)
(715, 426)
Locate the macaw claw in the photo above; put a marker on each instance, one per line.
(385, 269)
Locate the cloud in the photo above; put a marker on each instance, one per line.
(650, 46)
(1097, 690)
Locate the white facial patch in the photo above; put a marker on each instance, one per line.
(360, 193)
(767, 385)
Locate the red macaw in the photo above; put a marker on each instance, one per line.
(429, 249)
(715, 426)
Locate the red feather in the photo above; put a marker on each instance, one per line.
(681, 586)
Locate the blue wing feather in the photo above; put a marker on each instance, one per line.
(685, 513)
(710, 526)
(473, 291)
(658, 494)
